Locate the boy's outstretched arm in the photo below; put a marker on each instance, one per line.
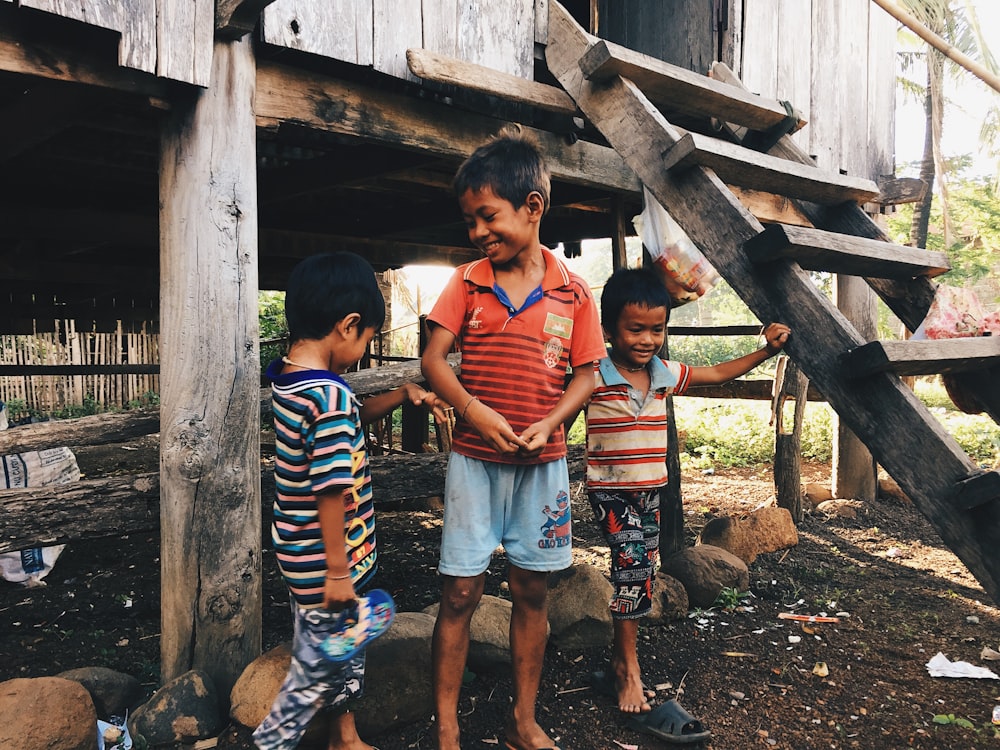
(580, 386)
(378, 406)
(775, 336)
(491, 425)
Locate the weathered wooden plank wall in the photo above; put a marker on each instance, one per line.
(682, 33)
(172, 38)
(499, 34)
(833, 60)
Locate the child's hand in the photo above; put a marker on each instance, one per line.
(427, 399)
(536, 437)
(338, 594)
(493, 428)
(775, 336)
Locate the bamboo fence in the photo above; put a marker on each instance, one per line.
(46, 394)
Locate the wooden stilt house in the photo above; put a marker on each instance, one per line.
(178, 156)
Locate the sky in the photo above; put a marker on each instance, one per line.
(966, 102)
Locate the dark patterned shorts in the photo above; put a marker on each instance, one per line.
(630, 522)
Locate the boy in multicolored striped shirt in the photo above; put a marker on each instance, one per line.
(324, 518)
(627, 450)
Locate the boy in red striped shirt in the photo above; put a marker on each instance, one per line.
(521, 319)
(627, 450)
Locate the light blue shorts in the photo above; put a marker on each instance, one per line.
(524, 508)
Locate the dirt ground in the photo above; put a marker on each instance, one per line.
(901, 597)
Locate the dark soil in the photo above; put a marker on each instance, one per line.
(900, 594)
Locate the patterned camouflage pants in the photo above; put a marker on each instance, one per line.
(312, 683)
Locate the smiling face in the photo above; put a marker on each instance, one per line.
(638, 334)
(498, 229)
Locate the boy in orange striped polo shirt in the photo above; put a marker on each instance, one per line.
(627, 451)
(521, 318)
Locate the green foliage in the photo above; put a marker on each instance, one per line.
(952, 719)
(974, 211)
(89, 407)
(149, 398)
(730, 598)
(273, 327)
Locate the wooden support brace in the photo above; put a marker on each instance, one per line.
(923, 357)
(816, 250)
(747, 168)
(432, 66)
(977, 490)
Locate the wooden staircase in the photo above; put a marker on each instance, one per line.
(688, 172)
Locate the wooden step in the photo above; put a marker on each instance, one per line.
(752, 169)
(817, 250)
(977, 490)
(923, 357)
(676, 89)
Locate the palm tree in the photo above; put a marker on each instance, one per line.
(958, 25)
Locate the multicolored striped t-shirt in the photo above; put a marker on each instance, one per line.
(515, 361)
(626, 430)
(320, 448)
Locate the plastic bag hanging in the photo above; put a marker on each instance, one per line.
(686, 273)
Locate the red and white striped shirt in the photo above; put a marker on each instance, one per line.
(626, 433)
(515, 361)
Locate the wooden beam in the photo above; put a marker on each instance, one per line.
(977, 490)
(816, 250)
(432, 66)
(30, 49)
(924, 357)
(210, 563)
(288, 96)
(893, 191)
(236, 18)
(74, 370)
(747, 168)
(678, 89)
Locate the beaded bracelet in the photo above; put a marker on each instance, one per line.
(338, 578)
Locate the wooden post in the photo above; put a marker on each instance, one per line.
(854, 472)
(789, 381)
(210, 516)
(415, 421)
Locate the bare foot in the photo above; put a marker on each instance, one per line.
(528, 738)
(632, 696)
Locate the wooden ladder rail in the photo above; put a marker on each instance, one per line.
(901, 434)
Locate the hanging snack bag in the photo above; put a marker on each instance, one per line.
(686, 273)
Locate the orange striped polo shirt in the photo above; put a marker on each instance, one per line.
(626, 434)
(516, 361)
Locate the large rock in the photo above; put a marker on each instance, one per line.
(706, 570)
(578, 608)
(46, 712)
(670, 599)
(251, 697)
(397, 676)
(186, 709)
(489, 633)
(767, 529)
(114, 693)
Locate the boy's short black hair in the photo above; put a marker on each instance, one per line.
(324, 289)
(632, 286)
(511, 164)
